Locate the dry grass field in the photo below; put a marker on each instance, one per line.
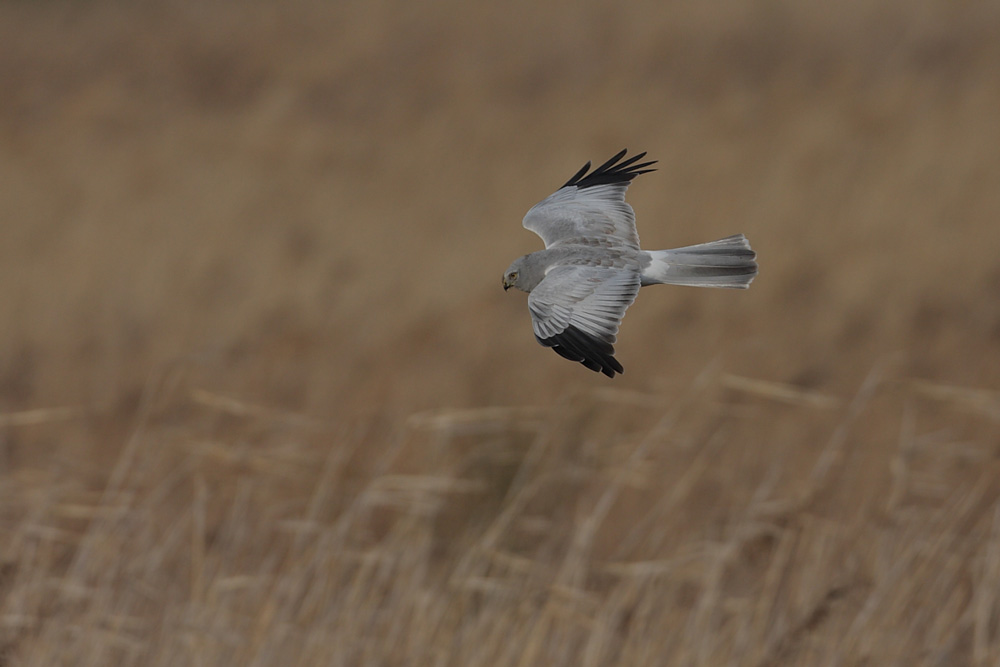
(264, 402)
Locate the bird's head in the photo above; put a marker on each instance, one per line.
(512, 276)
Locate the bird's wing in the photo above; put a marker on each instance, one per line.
(590, 209)
(576, 311)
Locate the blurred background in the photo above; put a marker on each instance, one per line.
(263, 399)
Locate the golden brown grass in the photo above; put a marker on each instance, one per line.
(262, 400)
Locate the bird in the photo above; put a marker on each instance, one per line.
(592, 267)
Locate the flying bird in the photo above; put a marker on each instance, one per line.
(592, 267)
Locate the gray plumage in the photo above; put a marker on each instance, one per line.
(592, 267)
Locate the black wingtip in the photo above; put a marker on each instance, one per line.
(593, 353)
(611, 172)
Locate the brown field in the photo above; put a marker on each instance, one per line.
(263, 401)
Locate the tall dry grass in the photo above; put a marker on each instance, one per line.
(262, 400)
(614, 527)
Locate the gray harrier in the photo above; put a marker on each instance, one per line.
(592, 266)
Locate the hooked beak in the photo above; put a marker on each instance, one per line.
(506, 285)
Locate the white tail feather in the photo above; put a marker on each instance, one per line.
(728, 262)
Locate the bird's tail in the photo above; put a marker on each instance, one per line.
(728, 262)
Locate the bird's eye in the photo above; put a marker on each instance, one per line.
(513, 276)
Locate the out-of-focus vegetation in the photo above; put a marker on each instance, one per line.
(263, 401)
